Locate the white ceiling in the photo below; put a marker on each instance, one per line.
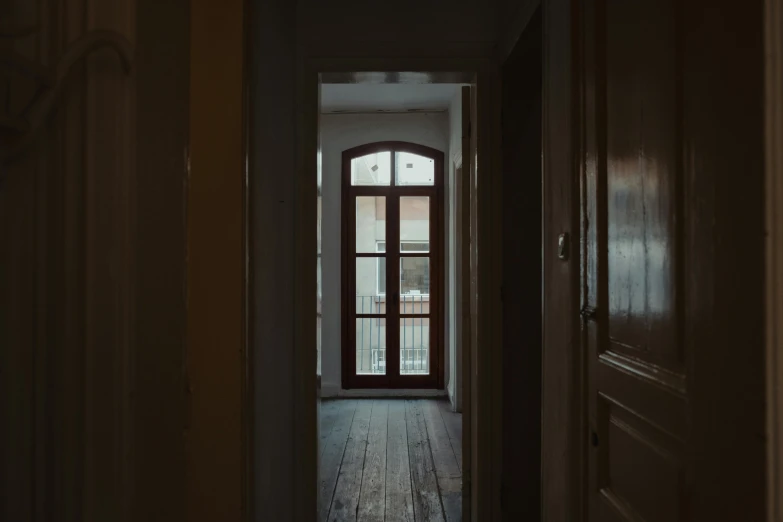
(361, 97)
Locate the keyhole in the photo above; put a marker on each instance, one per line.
(594, 438)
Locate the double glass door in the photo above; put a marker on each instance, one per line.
(391, 266)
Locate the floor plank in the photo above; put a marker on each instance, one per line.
(390, 460)
(399, 500)
(426, 498)
(372, 500)
(445, 461)
(349, 481)
(332, 454)
(329, 413)
(453, 423)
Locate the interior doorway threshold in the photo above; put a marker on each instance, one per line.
(406, 393)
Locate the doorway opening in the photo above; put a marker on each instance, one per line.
(388, 232)
(390, 420)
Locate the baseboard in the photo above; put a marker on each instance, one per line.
(372, 393)
(330, 389)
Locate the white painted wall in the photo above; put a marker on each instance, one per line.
(340, 132)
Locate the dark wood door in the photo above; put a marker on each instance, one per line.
(392, 254)
(666, 398)
(633, 314)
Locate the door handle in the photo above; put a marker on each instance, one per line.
(588, 313)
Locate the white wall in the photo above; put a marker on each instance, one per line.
(340, 132)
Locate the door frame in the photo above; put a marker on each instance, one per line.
(562, 418)
(774, 261)
(461, 279)
(482, 419)
(435, 378)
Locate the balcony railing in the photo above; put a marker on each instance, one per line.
(414, 336)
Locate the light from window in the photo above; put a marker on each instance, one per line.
(413, 169)
(414, 271)
(373, 169)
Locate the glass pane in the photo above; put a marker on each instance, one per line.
(372, 169)
(370, 285)
(414, 223)
(370, 223)
(414, 304)
(371, 346)
(414, 277)
(414, 346)
(413, 169)
(414, 246)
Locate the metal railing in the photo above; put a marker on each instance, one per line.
(371, 336)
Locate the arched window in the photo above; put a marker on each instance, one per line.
(392, 215)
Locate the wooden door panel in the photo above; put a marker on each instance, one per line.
(659, 404)
(657, 411)
(637, 389)
(640, 464)
(642, 130)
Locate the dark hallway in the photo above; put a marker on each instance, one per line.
(604, 283)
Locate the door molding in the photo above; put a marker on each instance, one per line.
(774, 247)
(562, 423)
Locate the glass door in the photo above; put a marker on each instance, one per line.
(391, 267)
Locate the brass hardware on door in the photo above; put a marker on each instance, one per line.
(562, 246)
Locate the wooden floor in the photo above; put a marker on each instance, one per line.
(390, 460)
